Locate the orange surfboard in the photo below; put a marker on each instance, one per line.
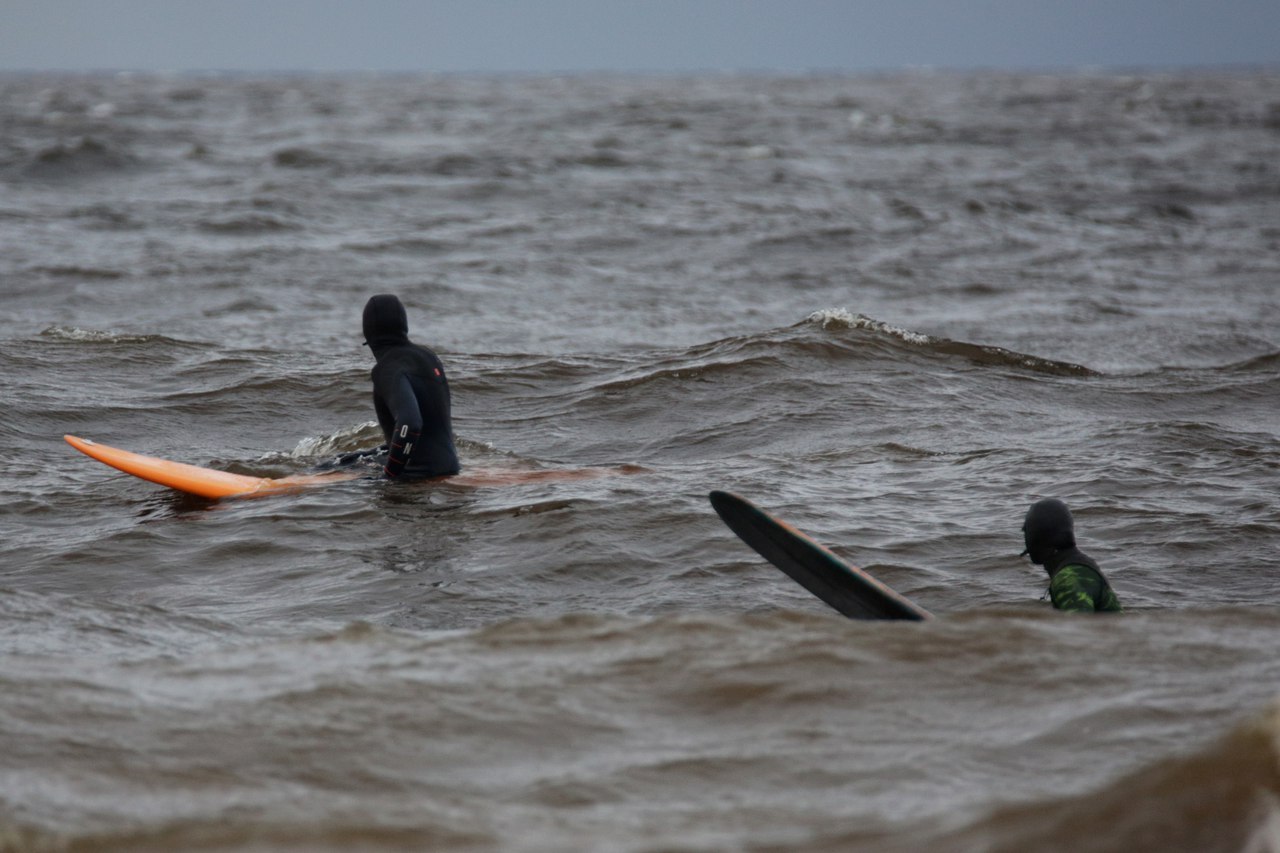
(204, 482)
(211, 483)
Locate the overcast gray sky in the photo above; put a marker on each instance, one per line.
(639, 35)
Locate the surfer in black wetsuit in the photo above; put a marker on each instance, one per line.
(1075, 581)
(410, 396)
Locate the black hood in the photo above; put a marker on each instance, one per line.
(385, 322)
(1048, 528)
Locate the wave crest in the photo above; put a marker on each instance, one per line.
(346, 440)
(842, 318)
(841, 336)
(88, 156)
(74, 334)
(837, 319)
(1224, 797)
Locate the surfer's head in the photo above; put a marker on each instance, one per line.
(1047, 528)
(385, 321)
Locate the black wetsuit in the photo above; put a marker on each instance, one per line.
(410, 396)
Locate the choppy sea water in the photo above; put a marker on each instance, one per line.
(892, 310)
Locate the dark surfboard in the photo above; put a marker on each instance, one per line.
(848, 589)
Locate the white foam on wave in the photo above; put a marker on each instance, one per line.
(342, 441)
(96, 336)
(842, 318)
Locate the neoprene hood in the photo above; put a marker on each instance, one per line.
(385, 321)
(1047, 528)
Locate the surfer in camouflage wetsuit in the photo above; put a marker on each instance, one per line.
(1075, 581)
(410, 396)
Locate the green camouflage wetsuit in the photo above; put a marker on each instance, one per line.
(1075, 582)
(1080, 587)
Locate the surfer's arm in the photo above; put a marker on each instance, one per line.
(403, 405)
